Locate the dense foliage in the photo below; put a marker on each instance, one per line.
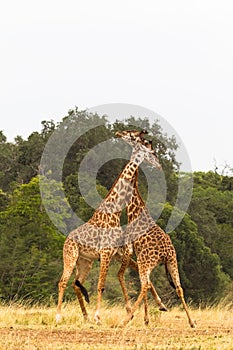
(31, 246)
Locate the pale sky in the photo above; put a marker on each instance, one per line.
(172, 57)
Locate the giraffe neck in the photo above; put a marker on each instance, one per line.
(139, 217)
(136, 203)
(119, 190)
(109, 211)
(138, 214)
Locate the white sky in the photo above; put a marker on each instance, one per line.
(173, 57)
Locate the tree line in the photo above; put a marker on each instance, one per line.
(31, 245)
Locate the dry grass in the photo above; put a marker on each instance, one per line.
(34, 328)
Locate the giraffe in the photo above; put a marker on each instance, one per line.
(151, 245)
(126, 253)
(100, 237)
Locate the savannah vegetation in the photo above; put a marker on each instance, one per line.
(31, 246)
(26, 327)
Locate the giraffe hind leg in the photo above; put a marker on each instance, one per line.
(172, 269)
(134, 266)
(61, 288)
(83, 290)
(172, 284)
(83, 267)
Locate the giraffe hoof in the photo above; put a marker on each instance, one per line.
(97, 319)
(193, 324)
(86, 318)
(122, 324)
(128, 309)
(58, 318)
(163, 308)
(125, 321)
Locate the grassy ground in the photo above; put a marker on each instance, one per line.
(34, 328)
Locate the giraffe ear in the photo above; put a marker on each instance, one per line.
(150, 145)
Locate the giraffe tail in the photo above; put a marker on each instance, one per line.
(83, 290)
(169, 277)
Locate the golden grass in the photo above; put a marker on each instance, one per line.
(33, 328)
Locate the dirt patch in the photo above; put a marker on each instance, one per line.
(160, 337)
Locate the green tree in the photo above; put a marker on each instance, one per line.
(29, 155)
(8, 156)
(211, 208)
(200, 269)
(4, 200)
(224, 245)
(30, 247)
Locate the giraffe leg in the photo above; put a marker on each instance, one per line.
(180, 293)
(172, 268)
(124, 264)
(105, 259)
(67, 271)
(159, 302)
(142, 295)
(146, 314)
(69, 261)
(145, 285)
(133, 265)
(126, 260)
(83, 267)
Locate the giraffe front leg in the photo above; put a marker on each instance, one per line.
(104, 264)
(136, 305)
(146, 314)
(124, 264)
(158, 300)
(144, 274)
(133, 265)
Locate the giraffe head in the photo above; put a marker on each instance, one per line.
(141, 147)
(132, 136)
